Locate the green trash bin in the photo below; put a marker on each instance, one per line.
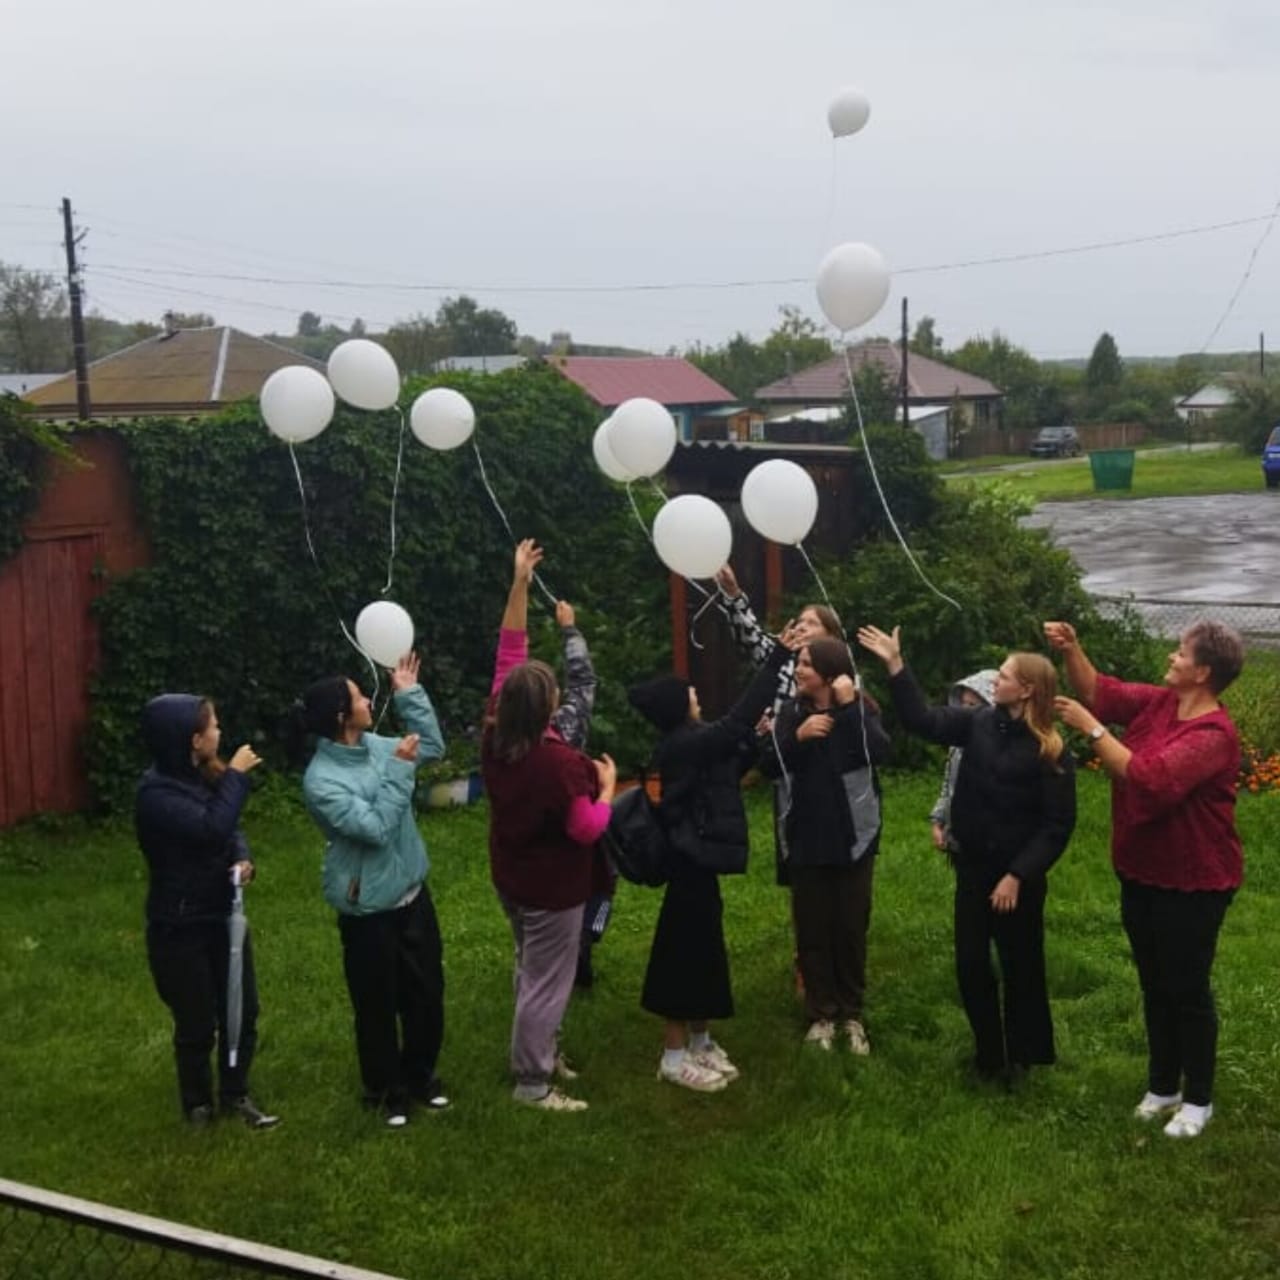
(1112, 468)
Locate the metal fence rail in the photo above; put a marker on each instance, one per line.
(1259, 624)
(47, 1236)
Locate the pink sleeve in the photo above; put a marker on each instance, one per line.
(1115, 702)
(586, 819)
(1158, 780)
(513, 649)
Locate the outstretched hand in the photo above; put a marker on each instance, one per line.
(527, 558)
(1075, 715)
(886, 645)
(405, 676)
(790, 638)
(1061, 636)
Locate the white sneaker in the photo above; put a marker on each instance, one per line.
(563, 1069)
(1189, 1120)
(690, 1075)
(822, 1033)
(858, 1042)
(1155, 1105)
(554, 1100)
(714, 1058)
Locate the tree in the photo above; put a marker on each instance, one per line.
(877, 397)
(309, 324)
(416, 344)
(1105, 372)
(1253, 411)
(925, 340)
(358, 329)
(1035, 394)
(189, 320)
(34, 334)
(473, 331)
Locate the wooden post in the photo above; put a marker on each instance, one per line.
(679, 627)
(772, 584)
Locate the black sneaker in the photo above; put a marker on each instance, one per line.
(253, 1116)
(394, 1112)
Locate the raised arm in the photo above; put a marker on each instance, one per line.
(750, 637)
(513, 639)
(949, 726)
(415, 710)
(1082, 674)
(572, 718)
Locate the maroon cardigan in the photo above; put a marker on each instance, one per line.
(1173, 817)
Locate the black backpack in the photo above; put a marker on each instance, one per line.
(636, 839)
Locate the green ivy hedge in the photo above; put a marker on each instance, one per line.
(25, 447)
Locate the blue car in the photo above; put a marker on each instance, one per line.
(1271, 459)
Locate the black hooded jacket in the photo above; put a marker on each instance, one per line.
(186, 825)
(1011, 811)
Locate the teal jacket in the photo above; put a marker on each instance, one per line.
(362, 799)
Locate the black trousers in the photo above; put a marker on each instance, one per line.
(189, 967)
(393, 961)
(687, 979)
(1173, 936)
(1024, 1036)
(831, 907)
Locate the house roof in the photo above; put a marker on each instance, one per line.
(1213, 395)
(609, 380)
(189, 371)
(18, 384)
(927, 380)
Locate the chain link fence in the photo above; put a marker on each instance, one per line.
(1258, 624)
(47, 1236)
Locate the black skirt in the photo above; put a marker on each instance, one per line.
(688, 975)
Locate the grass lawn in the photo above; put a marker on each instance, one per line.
(1155, 475)
(811, 1165)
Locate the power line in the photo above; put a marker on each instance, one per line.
(672, 286)
(1244, 279)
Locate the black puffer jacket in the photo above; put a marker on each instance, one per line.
(1011, 811)
(701, 764)
(186, 825)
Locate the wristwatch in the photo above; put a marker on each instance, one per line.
(1096, 732)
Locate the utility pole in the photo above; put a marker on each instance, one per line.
(77, 316)
(1262, 355)
(902, 381)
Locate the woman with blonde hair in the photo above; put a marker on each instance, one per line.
(1012, 814)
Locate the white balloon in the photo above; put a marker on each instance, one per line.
(692, 536)
(604, 455)
(442, 418)
(853, 283)
(848, 112)
(780, 501)
(296, 403)
(642, 436)
(364, 374)
(385, 632)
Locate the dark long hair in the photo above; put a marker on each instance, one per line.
(316, 715)
(213, 768)
(523, 711)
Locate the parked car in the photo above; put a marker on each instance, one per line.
(1056, 442)
(1271, 458)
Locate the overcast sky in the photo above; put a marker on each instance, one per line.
(499, 148)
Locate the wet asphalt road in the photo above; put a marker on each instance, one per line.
(1224, 547)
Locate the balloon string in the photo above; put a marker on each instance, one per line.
(644, 528)
(884, 502)
(395, 495)
(697, 617)
(506, 524)
(324, 582)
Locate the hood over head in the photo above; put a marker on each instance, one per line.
(983, 683)
(168, 723)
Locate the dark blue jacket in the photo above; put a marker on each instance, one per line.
(186, 825)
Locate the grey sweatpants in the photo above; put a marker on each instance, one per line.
(546, 959)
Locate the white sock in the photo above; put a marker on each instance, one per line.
(672, 1059)
(699, 1040)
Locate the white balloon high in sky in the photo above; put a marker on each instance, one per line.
(848, 112)
(853, 283)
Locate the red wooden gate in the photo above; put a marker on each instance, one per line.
(48, 654)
